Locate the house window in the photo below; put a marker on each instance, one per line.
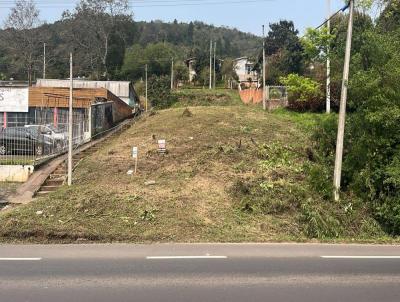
(249, 68)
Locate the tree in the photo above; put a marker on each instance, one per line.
(202, 56)
(157, 56)
(316, 42)
(203, 77)
(371, 162)
(181, 72)
(228, 70)
(190, 33)
(21, 40)
(160, 93)
(94, 25)
(389, 20)
(284, 51)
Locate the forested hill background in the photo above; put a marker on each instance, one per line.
(231, 42)
(110, 52)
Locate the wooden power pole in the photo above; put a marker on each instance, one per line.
(211, 46)
(70, 121)
(343, 103)
(172, 74)
(44, 61)
(215, 60)
(264, 72)
(147, 101)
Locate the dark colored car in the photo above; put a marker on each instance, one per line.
(23, 141)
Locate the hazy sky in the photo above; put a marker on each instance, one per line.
(245, 15)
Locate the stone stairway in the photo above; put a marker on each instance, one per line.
(54, 181)
(59, 175)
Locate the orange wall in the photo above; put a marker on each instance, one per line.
(251, 96)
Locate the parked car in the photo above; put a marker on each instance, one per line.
(58, 138)
(23, 141)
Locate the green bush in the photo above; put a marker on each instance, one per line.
(304, 93)
(319, 223)
(159, 90)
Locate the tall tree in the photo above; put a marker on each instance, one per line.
(21, 40)
(157, 56)
(94, 24)
(284, 49)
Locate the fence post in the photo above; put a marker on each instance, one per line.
(5, 120)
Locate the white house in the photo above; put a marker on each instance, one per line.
(192, 72)
(244, 70)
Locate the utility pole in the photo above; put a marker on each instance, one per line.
(343, 103)
(328, 63)
(172, 75)
(146, 89)
(44, 61)
(211, 46)
(264, 73)
(70, 121)
(215, 60)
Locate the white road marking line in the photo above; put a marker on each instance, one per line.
(360, 257)
(20, 259)
(184, 257)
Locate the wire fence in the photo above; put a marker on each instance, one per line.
(277, 93)
(33, 139)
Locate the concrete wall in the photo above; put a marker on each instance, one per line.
(275, 104)
(15, 173)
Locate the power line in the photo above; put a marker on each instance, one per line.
(334, 15)
(144, 4)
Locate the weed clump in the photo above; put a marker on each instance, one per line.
(187, 113)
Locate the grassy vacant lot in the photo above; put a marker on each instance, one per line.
(233, 173)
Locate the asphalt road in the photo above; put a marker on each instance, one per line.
(202, 272)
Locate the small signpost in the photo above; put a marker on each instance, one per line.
(135, 155)
(162, 146)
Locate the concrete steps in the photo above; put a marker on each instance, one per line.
(59, 176)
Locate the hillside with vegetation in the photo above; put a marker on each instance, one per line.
(231, 174)
(104, 38)
(234, 173)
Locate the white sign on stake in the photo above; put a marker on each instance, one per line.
(135, 155)
(135, 152)
(162, 146)
(14, 99)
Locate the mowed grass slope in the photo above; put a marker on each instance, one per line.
(232, 174)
